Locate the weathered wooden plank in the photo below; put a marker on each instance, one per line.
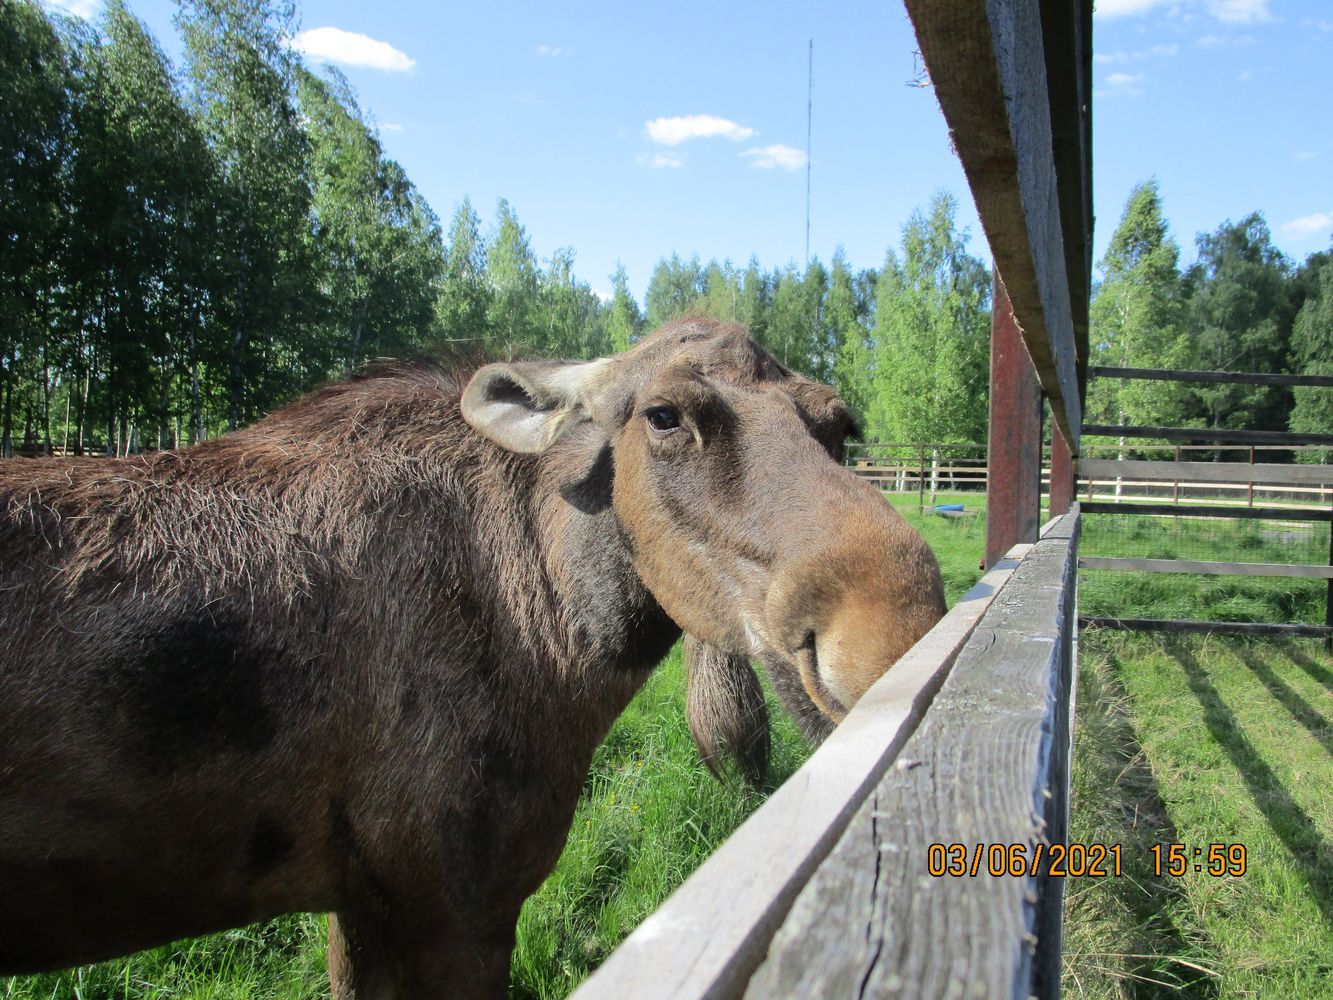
(708, 937)
(1061, 489)
(987, 766)
(1207, 510)
(1232, 378)
(1220, 435)
(1204, 472)
(1013, 500)
(1182, 626)
(1207, 568)
(987, 66)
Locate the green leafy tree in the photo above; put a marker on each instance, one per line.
(511, 268)
(377, 242)
(35, 140)
(931, 335)
(674, 289)
(1137, 319)
(1240, 313)
(1312, 354)
(464, 301)
(625, 322)
(571, 322)
(846, 314)
(243, 73)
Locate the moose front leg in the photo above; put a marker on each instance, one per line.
(369, 960)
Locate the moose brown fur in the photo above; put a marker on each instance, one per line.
(356, 658)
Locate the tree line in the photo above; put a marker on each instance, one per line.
(184, 248)
(1243, 305)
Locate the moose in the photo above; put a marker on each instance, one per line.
(356, 657)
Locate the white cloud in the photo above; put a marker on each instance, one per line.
(351, 49)
(1318, 24)
(1304, 155)
(1226, 11)
(390, 127)
(1239, 11)
(1110, 58)
(778, 155)
(1307, 225)
(79, 8)
(1125, 8)
(674, 131)
(1245, 75)
(1124, 84)
(552, 51)
(660, 161)
(1228, 42)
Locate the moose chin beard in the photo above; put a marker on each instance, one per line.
(787, 684)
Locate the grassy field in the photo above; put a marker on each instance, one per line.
(1200, 741)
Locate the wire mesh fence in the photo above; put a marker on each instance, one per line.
(1157, 536)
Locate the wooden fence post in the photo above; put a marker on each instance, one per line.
(1013, 499)
(1062, 475)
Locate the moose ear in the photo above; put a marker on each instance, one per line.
(523, 406)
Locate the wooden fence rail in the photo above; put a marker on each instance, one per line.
(914, 763)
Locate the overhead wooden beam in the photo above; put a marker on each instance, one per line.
(1013, 490)
(987, 64)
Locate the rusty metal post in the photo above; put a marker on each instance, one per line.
(1062, 475)
(1013, 500)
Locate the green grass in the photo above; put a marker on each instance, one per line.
(1202, 740)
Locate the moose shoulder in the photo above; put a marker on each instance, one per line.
(356, 658)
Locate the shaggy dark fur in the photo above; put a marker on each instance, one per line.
(355, 658)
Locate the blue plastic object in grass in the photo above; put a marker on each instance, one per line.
(949, 507)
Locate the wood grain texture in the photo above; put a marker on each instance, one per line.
(706, 940)
(988, 765)
(1204, 472)
(987, 66)
(1224, 378)
(1013, 452)
(1206, 568)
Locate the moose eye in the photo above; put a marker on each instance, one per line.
(663, 418)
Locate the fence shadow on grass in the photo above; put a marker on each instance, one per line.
(1142, 952)
(1302, 659)
(1285, 817)
(1302, 711)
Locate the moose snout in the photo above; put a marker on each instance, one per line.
(847, 611)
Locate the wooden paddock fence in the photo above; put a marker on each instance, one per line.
(910, 469)
(1310, 482)
(830, 888)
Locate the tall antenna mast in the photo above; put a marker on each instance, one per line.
(809, 115)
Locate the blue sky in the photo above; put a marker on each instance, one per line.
(631, 131)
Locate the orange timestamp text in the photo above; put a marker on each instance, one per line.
(1056, 860)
